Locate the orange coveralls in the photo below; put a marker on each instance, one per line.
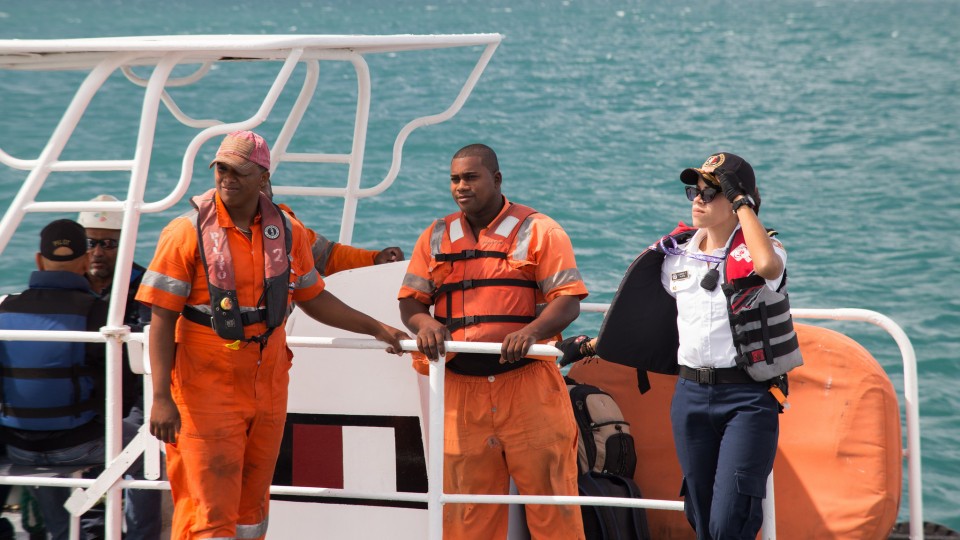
(332, 257)
(516, 424)
(232, 403)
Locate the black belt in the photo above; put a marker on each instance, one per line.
(731, 375)
(193, 314)
(483, 365)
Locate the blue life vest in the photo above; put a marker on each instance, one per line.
(48, 385)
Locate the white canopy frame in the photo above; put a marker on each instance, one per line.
(101, 58)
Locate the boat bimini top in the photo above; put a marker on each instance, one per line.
(102, 57)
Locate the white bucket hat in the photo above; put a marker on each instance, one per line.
(101, 220)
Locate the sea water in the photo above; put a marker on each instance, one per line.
(848, 111)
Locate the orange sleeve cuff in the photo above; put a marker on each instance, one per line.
(344, 257)
(407, 292)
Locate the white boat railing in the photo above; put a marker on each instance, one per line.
(436, 498)
(111, 480)
(101, 58)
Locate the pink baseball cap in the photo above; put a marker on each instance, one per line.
(242, 148)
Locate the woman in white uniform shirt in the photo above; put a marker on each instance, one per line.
(725, 432)
(725, 423)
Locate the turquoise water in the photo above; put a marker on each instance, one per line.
(847, 110)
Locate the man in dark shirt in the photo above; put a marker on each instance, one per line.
(53, 391)
(103, 239)
(142, 506)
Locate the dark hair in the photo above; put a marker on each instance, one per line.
(486, 154)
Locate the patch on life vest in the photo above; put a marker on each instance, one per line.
(741, 253)
(757, 356)
(677, 276)
(226, 304)
(272, 232)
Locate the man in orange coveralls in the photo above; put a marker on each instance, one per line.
(332, 257)
(218, 348)
(485, 269)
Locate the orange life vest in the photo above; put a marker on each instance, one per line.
(482, 293)
(226, 315)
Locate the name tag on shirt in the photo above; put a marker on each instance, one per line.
(681, 280)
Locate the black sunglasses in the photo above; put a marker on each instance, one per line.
(706, 194)
(105, 243)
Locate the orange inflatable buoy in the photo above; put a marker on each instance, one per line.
(839, 462)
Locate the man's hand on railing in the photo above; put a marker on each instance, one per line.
(430, 339)
(392, 337)
(516, 345)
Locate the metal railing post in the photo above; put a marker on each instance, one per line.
(435, 455)
(768, 530)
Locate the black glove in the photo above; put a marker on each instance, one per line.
(730, 184)
(571, 349)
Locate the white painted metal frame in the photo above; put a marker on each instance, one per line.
(102, 57)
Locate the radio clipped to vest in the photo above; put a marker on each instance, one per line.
(226, 320)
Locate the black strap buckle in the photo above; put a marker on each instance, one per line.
(466, 284)
(469, 253)
(740, 338)
(706, 375)
(254, 316)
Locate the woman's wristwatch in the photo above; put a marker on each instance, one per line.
(746, 200)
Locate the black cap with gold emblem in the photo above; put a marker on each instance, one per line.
(729, 163)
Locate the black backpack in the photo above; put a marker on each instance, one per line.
(607, 461)
(612, 522)
(605, 442)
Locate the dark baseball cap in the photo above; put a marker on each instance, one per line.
(726, 161)
(731, 163)
(63, 240)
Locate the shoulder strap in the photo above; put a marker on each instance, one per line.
(223, 300)
(515, 216)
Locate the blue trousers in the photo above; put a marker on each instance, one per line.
(141, 508)
(726, 439)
